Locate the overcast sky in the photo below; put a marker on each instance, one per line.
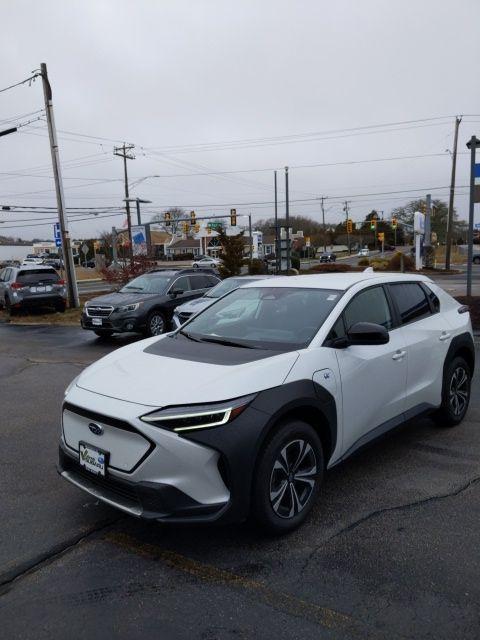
(254, 76)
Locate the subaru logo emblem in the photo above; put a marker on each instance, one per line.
(96, 429)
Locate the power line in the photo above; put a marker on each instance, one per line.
(31, 79)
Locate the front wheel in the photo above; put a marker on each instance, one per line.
(156, 324)
(476, 260)
(288, 477)
(455, 393)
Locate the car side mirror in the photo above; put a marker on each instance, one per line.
(367, 333)
(175, 292)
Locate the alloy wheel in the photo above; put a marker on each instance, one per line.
(458, 392)
(156, 325)
(293, 478)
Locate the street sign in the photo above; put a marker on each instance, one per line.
(476, 177)
(58, 242)
(215, 225)
(84, 249)
(477, 225)
(56, 231)
(307, 241)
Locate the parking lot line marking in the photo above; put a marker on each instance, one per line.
(281, 601)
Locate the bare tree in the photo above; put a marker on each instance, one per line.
(176, 214)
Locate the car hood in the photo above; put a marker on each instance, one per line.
(120, 299)
(138, 373)
(195, 305)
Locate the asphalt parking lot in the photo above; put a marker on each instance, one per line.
(391, 550)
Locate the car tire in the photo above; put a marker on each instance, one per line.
(103, 333)
(60, 307)
(156, 324)
(455, 393)
(476, 260)
(287, 478)
(195, 266)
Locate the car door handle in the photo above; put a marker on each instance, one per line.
(444, 336)
(398, 355)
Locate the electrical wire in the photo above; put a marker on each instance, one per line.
(31, 79)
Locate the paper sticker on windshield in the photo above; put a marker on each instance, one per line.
(332, 296)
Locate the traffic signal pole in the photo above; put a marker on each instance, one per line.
(57, 173)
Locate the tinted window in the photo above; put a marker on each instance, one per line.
(369, 306)
(181, 284)
(434, 301)
(411, 301)
(265, 317)
(199, 282)
(37, 275)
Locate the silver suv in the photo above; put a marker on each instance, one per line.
(31, 285)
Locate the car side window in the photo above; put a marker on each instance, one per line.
(181, 284)
(411, 301)
(370, 305)
(337, 331)
(433, 299)
(2, 275)
(198, 282)
(6, 275)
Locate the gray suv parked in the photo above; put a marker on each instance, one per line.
(146, 304)
(31, 285)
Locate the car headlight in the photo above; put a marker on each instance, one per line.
(130, 307)
(193, 417)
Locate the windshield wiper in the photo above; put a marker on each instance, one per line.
(227, 343)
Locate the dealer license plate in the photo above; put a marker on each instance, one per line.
(93, 459)
(97, 322)
(37, 289)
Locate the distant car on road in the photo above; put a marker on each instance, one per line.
(185, 311)
(56, 263)
(146, 304)
(89, 264)
(31, 285)
(31, 260)
(328, 256)
(363, 253)
(206, 261)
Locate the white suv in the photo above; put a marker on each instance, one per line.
(244, 408)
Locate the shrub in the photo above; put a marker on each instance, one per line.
(395, 262)
(330, 267)
(256, 267)
(379, 264)
(123, 273)
(364, 262)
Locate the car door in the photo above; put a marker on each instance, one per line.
(199, 284)
(4, 277)
(428, 336)
(181, 284)
(373, 378)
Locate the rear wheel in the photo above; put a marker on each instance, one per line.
(103, 333)
(60, 307)
(476, 260)
(288, 477)
(156, 324)
(455, 394)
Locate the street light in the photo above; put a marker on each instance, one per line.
(138, 201)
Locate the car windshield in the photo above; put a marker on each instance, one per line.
(227, 285)
(147, 284)
(276, 318)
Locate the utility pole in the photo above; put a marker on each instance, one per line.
(123, 153)
(472, 144)
(322, 200)
(448, 248)
(345, 208)
(287, 219)
(278, 258)
(52, 134)
(250, 234)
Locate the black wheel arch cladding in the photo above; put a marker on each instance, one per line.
(240, 442)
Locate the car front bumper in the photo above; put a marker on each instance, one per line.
(115, 322)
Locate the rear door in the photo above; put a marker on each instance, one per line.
(428, 336)
(373, 377)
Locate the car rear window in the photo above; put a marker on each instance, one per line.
(31, 276)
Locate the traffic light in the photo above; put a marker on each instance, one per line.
(197, 228)
(349, 226)
(192, 218)
(381, 236)
(168, 218)
(233, 217)
(373, 224)
(209, 230)
(185, 227)
(394, 223)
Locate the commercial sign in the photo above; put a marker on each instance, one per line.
(476, 177)
(139, 241)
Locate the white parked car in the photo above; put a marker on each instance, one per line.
(363, 252)
(206, 261)
(31, 261)
(243, 413)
